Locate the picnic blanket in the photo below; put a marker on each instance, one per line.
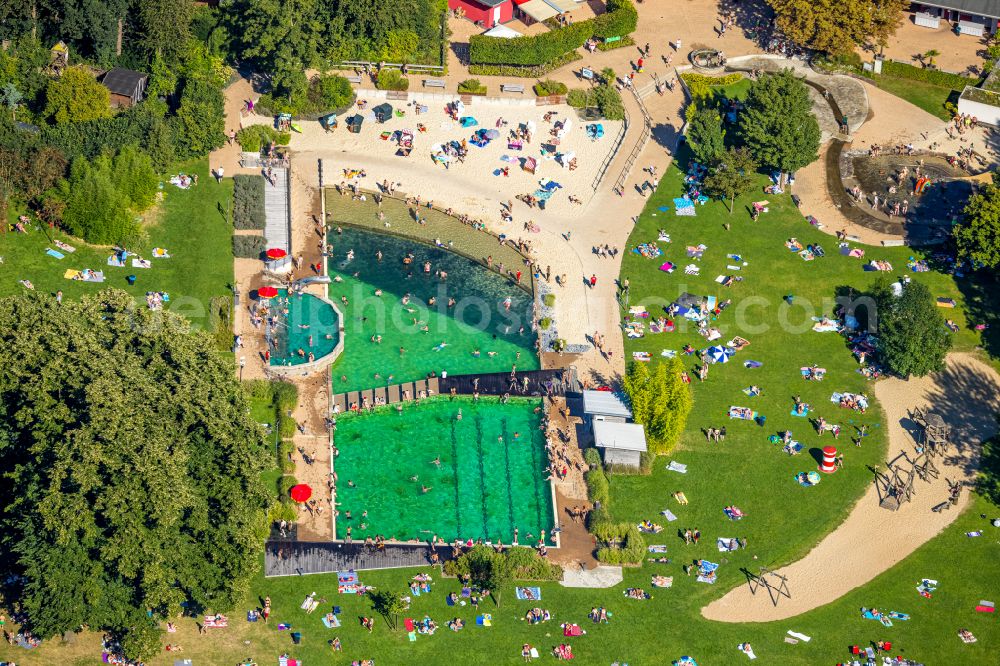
(706, 572)
(696, 251)
(692, 269)
(87, 275)
(54, 253)
(65, 247)
(529, 593)
(677, 467)
(744, 413)
(793, 448)
(824, 325)
(747, 650)
(657, 548)
(484, 620)
(285, 660)
(667, 267)
(733, 513)
(727, 545)
(662, 581)
(116, 261)
(331, 623)
(141, 263)
(641, 356)
(801, 637)
(160, 253)
(668, 514)
(807, 479)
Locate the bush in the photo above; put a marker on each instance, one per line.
(392, 79)
(592, 457)
(472, 87)
(597, 486)
(285, 454)
(619, 20)
(524, 563)
(285, 484)
(598, 516)
(544, 323)
(525, 71)
(629, 545)
(249, 247)
(283, 510)
(326, 93)
(286, 396)
(700, 86)
(548, 87)
(549, 300)
(611, 46)
(577, 98)
(254, 138)
(903, 70)
(248, 202)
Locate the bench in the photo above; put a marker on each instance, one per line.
(512, 87)
(943, 506)
(354, 79)
(434, 83)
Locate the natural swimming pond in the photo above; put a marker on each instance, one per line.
(477, 322)
(490, 479)
(309, 327)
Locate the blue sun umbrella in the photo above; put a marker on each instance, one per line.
(719, 354)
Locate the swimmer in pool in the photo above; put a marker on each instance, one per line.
(476, 354)
(436, 461)
(378, 292)
(440, 346)
(414, 478)
(425, 489)
(402, 350)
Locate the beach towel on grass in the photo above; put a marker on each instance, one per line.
(484, 620)
(330, 624)
(113, 260)
(668, 514)
(529, 593)
(53, 253)
(726, 545)
(747, 650)
(677, 467)
(141, 263)
(801, 637)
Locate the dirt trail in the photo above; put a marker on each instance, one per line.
(966, 394)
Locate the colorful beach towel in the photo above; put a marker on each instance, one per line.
(529, 593)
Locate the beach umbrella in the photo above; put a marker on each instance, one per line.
(720, 354)
(267, 292)
(276, 253)
(301, 492)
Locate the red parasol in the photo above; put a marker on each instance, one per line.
(267, 292)
(301, 492)
(276, 253)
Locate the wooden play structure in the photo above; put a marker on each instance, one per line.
(935, 434)
(58, 59)
(775, 583)
(896, 483)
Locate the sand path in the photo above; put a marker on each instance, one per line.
(849, 556)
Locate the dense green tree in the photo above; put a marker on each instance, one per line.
(76, 96)
(671, 404)
(977, 237)
(164, 26)
(777, 123)
(912, 338)
(733, 175)
(131, 468)
(705, 134)
(636, 385)
(133, 175)
(200, 121)
(265, 28)
(837, 26)
(89, 26)
(96, 210)
(389, 605)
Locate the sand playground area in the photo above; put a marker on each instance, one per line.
(873, 539)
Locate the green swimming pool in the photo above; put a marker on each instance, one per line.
(387, 341)
(310, 327)
(490, 480)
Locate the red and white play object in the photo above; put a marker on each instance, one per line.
(829, 464)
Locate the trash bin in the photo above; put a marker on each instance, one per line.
(130, 279)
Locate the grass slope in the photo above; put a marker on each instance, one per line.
(188, 224)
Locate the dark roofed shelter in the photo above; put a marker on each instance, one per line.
(383, 112)
(127, 87)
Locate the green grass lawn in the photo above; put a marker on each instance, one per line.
(188, 224)
(783, 519)
(927, 96)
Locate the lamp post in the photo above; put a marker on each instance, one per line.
(243, 364)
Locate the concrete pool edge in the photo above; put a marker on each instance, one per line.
(325, 361)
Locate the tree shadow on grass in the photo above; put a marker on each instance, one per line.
(982, 306)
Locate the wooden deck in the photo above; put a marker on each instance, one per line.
(296, 558)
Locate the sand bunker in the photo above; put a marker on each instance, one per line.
(966, 394)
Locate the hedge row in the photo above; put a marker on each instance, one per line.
(254, 137)
(525, 71)
(619, 21)
(248, 202)
(611, 46)
(392, 79)
(249, 247)
(946, 79)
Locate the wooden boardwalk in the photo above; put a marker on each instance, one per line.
(297, 558)
(277, 225)
(557, 382)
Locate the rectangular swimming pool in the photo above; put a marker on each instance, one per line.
(482, 465)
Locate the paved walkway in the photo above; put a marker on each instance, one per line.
(596, 578)
(277, 228)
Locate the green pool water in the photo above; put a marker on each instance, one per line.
(307, 317)
(483, 488)
(479, 319)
